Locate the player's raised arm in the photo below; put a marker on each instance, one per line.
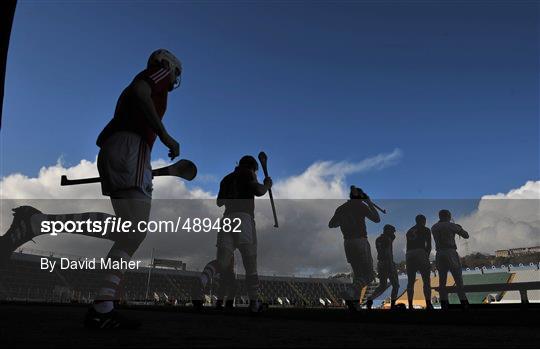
(261, 189)
(372, 213)
(461, 232)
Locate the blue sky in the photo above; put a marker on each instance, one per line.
(453, 85)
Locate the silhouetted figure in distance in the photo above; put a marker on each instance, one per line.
(351, 219)
(447, 259)
(417, 259)
(237, 193)
(386, 268)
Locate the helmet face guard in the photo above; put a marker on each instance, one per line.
(164, 58)
(177, 71)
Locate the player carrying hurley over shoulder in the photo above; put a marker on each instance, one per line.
(126, 176)
(351, 218)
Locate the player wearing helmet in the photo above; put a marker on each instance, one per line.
(447, 259)
(124, 161)
(124, 167)
(351, 218)
(137, 119)
(386, 268)
(417, 259)
(237, 193)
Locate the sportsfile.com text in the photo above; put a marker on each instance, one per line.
(119, 225)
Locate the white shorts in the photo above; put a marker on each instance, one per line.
(358, 253)
(418, 260)
(448, 261)
(124, 163)
(387, 270)
(245, 238)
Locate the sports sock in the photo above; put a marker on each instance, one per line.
(103, 307)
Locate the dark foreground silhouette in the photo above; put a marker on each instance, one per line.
(60, 325)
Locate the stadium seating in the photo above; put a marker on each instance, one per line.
(22, 279)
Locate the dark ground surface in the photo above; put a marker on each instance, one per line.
(61, 326)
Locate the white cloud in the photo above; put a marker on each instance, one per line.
(504, 221)
(530, 190)
(302, 243)
(322, 180)
(326, 179)
(45, 193)
(47, 184)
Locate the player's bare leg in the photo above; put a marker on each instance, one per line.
(426, 281)
(383, 285)
(249, 259)
(458, 278)
(395, 288)
(227, 285)
(134, 209)
(443, 294)
(411, 280)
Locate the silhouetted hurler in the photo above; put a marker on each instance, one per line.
(447, 259)
(417, 259)
(237, 193)
(386, 268)
(351, 219)
(124, 168)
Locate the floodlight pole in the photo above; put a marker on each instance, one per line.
(149, 274)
